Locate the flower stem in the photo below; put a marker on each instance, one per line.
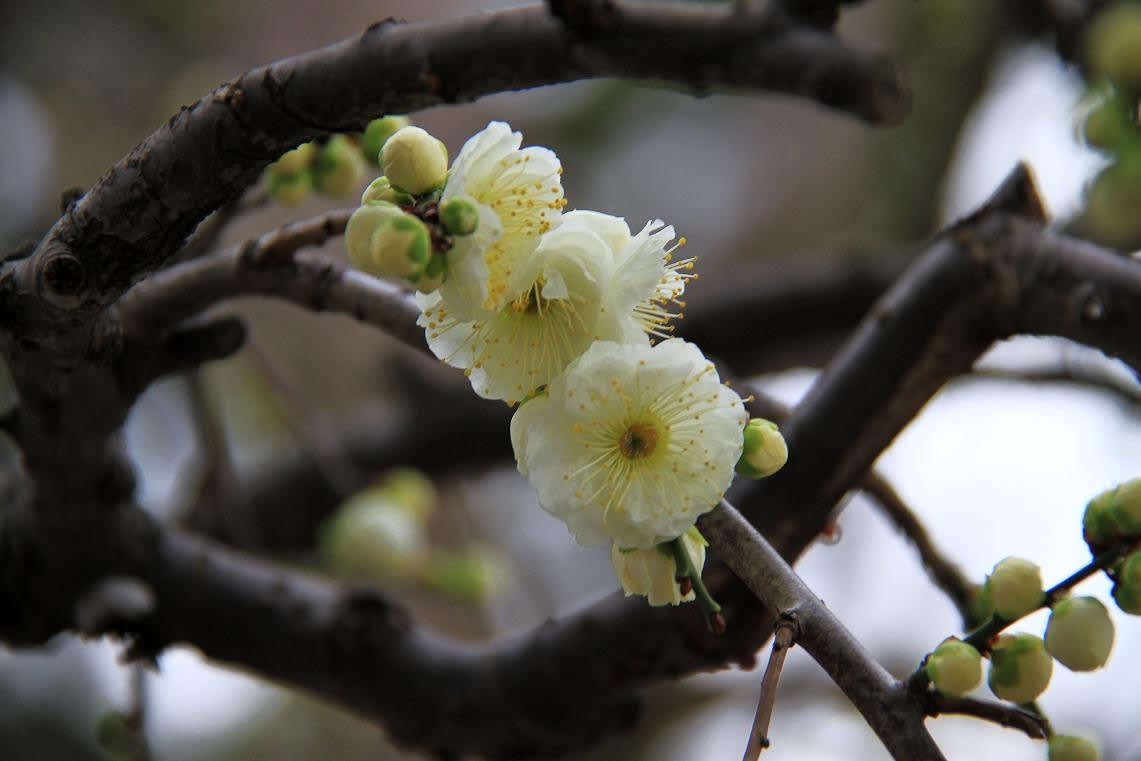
(685, 569)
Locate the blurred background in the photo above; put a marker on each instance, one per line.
(769, 191)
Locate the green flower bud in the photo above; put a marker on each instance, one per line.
(402, 247)
(381, 190)
(412, 490)
(474, 574)
(376, 133)
(1114, 44)
(1013, 588)
(290, 189)
(372, 537)
(1108, 125)
(384, 241)
(363, 223)
(414, 161)
(1125, 511)
(1097, 525)
(1020, 667)
(339, 167)
(1072, 748)
(459, 215)
(955, 667)
(294, 161)
(1127, 589)
(765, 450)
(1080, 633)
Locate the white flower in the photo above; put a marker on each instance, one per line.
(632, 442)
(645, 279)
(653, 572)
(519, 195)
(514, 351)
(588, 280)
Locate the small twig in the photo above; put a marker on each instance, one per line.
(210, 497)
(1093, 377)
(784, 637)
(943, 572)
(136, 714)
(1034, 725)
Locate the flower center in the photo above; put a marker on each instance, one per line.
(639, 440)
(530, 302)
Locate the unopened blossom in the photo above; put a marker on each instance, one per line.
(653, 572)
(631, 443)
(519, 195)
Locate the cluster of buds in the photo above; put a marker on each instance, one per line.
(1113, 124)
(333, 167)
(402, 228)
(1079, 633)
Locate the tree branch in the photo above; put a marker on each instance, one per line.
(271, 266)
(890, 710)
(1004, 714)
(139, 213)
(943, 571)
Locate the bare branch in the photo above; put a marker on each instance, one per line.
(944, 572)
(783, 639)
(1004, 714)
(271, 266)
(890, 710)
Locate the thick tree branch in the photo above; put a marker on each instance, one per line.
(138, 214)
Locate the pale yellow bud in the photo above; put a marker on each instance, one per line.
(414, 161)
(765, 451)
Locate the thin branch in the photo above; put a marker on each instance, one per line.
(1093, 377)
(893, 713)
(945, 573)
(210, 230)
(270, 265)
(209, 499)
(784, 638)
(1033, 725)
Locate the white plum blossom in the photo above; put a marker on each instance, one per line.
(529, 341)
(631, 443)
(588, 280)
(519, 195)
(653, 572)
(645, 280)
